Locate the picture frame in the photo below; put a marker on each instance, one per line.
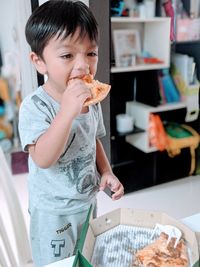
(127, 45)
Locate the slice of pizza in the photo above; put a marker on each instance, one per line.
(98, 89)
(159, 254)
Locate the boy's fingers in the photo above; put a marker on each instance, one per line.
(116, 185)
(101, 188)
(103, 185)
(118, 194)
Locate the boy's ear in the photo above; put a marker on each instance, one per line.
(38, 63)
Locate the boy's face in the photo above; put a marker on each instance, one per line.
(69, 58)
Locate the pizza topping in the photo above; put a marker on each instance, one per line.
(98, 90)
(161, 254)
(88, 78)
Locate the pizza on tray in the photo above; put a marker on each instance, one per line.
(159, 254)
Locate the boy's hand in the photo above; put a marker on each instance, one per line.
(110, 180)
(74, 96)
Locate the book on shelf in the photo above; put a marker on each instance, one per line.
(161, 90)
(183, 71)
(185, 66)
(168, 88)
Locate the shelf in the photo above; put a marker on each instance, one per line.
(141, 141)
(118, 135)
(186, 42)
(153, 37)
(140, 112)
(123, 163)
(160, 108)
(137, 20)
(139, 67)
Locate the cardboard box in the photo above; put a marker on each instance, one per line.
(193, 222)
(140, 218)
(129, 217)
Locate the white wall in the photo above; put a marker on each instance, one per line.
(7, 20)
(13, 17)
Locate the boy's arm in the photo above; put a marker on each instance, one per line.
(50, 145)
(103, 164)
(108, 179)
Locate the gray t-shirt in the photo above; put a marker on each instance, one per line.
(71, 184)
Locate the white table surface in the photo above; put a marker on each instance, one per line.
(193, 222)
(62, 263)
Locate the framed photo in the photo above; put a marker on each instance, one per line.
(126, 46)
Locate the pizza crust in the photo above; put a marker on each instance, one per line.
(159, 254)
(98, 89)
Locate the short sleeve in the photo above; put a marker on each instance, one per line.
(34, 118)
(101, 131)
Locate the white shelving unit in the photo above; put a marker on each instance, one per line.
(132, 79)
(141, 141)
(139, 67)
(154, 34)
(154, 38)
(141, 114)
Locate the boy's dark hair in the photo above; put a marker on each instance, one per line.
(58, 17)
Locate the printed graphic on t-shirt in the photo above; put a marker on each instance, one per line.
(44, 108)
(80, 173)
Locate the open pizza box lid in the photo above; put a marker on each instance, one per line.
(94, 228)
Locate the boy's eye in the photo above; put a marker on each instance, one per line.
(67, 56)
(93, 54)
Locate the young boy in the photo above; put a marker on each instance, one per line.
(67, 163)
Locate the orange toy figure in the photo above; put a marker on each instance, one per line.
(162, 139)
(157, 134)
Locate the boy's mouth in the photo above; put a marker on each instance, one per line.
(82, 77)
(98, 89)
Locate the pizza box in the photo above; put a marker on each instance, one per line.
(109, 224)
(193, 222)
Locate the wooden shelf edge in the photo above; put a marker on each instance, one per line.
(139, 67)
(138, 20)
(160, 108)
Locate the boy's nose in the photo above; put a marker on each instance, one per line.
(81, 65)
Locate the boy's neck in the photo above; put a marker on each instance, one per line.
(55, 94)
